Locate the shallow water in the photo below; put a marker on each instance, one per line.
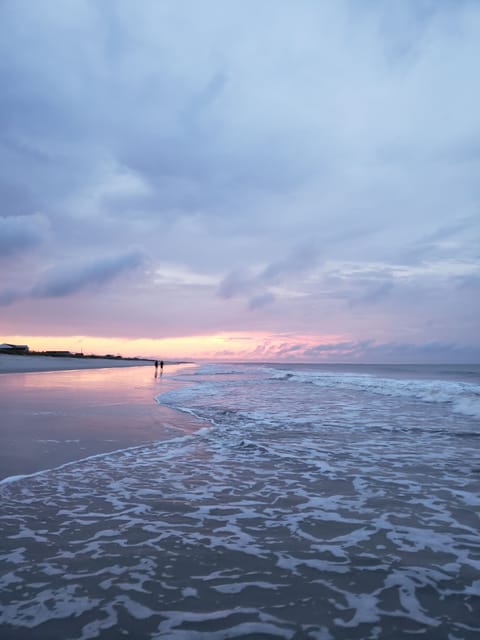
(320, 503)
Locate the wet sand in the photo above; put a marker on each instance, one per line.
(52, 418)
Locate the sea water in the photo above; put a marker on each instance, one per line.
(317, 502)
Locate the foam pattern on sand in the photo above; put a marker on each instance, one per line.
(212, 537)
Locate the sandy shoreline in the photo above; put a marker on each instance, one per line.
(30, 364)
(66, 415)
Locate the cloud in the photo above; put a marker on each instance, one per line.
(435, 352)
(16, 199)
(67, 280)
(236, 283)
(261, 300)
(371, 293)
(299, 261)
(22, 233)
(9, 296)
(256, 285)
(337, 351)
(217, 142)
(446, 241)
(370, 351)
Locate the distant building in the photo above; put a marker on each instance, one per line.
(13, 348)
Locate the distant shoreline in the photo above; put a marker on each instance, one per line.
(19, 363)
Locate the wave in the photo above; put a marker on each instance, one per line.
(213, 370)
(463, 397)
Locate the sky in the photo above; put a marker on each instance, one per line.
(259, 180)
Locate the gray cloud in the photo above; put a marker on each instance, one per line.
(298, 261)
(255, 286)
(460, 236)
(261, 300)
(236, 283)
(68, 280)
(16, 199)
(22, 233)
(340, 349)
(9, 296)
(435, 352)
(370, 292)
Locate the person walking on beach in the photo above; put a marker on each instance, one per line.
(161, 365)
(156, 368)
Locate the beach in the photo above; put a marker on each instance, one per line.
(56, 410)
(29, 363)
(243, 501)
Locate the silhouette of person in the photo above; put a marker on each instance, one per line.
(156, 368)
(161, 365)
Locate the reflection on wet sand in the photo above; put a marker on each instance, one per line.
(52, 418)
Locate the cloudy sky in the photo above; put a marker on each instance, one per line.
(263, 179)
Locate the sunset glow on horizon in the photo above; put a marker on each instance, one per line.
(219, 347)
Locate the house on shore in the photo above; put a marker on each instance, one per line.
(17, 349)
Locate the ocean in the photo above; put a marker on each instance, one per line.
(316, 502)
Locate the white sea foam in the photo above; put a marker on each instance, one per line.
(463, 396)
(16, 478)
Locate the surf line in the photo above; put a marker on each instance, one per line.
(10, 479)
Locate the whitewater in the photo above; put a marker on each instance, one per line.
(317, 502)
